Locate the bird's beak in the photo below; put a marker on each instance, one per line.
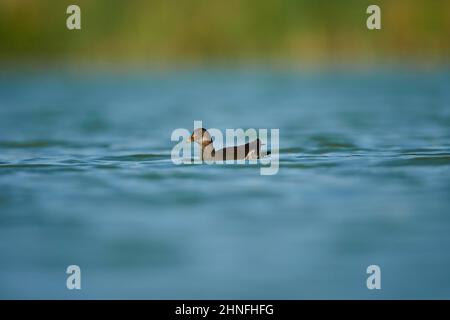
(189, 140)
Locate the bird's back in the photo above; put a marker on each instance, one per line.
(248, 151)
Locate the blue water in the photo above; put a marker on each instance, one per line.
(86, 178)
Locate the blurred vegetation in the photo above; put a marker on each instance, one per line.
(152, 31)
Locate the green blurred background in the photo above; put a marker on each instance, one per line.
(168, 31)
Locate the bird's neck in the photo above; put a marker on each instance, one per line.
(208, 151)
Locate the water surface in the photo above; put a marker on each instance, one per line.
(86, 178)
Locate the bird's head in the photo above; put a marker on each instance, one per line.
(200, 136)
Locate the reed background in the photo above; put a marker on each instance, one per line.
(199, 31)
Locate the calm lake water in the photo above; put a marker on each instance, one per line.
(86, 178)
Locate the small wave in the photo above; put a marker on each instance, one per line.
(173, 175)
(136, 157)
(47, 144)
(298, 165)
(28, 165)
(38, 166)
(441, 160)
(291, 150)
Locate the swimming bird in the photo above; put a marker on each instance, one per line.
(248, 151)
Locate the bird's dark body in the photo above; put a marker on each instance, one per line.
(232, 153)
